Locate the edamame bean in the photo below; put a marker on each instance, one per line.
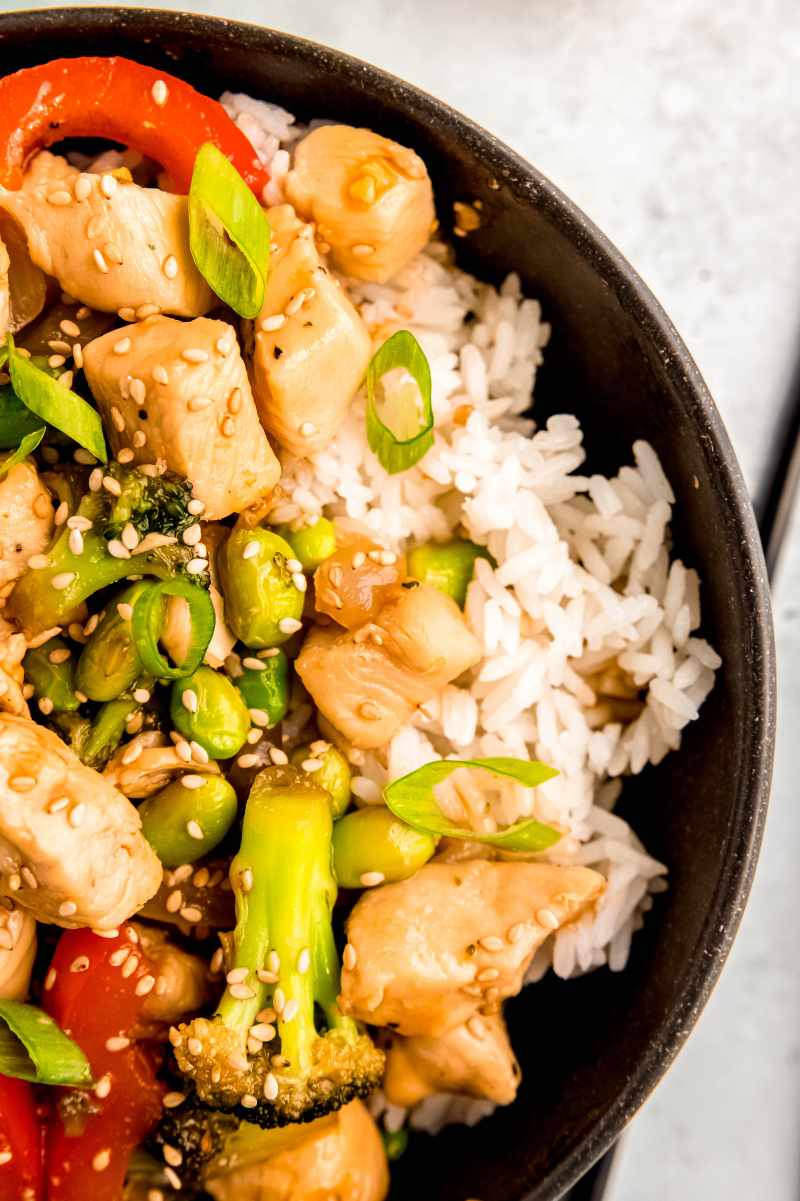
(312, 544)
(53, 682)
(262, 601)
(268, 688)
(109, 663)
(373, 840)
(449, 566)
(206, 708)
(183, 824)
(333, 774)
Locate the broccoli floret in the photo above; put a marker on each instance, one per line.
(95, 740)
(155, 507)
(262, 1054)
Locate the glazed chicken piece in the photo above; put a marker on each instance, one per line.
(475, 1060)
(71, 848)
(341, 1160)
(109, 242)
(311, 346)
(355, 581)
(454, 939)
(368, 682)
(12, 674)
(182, 987)
(26, 521)
(23, 286)
(147, 763)
(177, 392)
(371, 198)
(17, 951)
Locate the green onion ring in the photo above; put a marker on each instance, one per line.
(147, 621)
(401, 442)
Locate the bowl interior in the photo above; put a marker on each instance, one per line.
(590, 1049)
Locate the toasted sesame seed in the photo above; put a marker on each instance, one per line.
(101, 1160)
(15, 882)
(65, 379)
(289, 625)
(67, 908)
(191, 914)
(199, 753)
(269, 324)
(189, 700)
(61, 198)
(125, 455)
(118, 957)
(300, 582)
(5, 1157)
(196, 566)
(371, 879)
(28, 877)
(174, 901)
(145, 985)
(62, 580)
(487, 973)
(259, 717)
(108, 186)
(103, 1087)
(45, 705)
(50, 979)
(82, 187)
(184, 750)
(308, 429)
(235, 401)
(195, 355)
(515, 932)
(173, 1100)
(273, 962)
(546, 918)
(100, 261)
(370, 711)
(56, 360)
(237, 975)
(278, 757)
(122, 346)
(160, 375)
(228, 427)
(242, 992)
(279, 1001)
(311, 764)
(349, 957)
(132, 753)
(195, 830)
(111, 485)
(70, 328)
(197, 403)
(271, 1087)
(130, 965)
(139, 438)
(173, 1179)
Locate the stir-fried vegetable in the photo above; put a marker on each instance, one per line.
(50, 668)
(207, 709)
(110, 663)
(183, 824)
(326, 767)
(399, 409)
(21, 1163)
(311, 544)
(33, 1048)
(265, 689)
(147, 621)
(54, 403)
(148, 110)
(26, 447)
(449, 566)
(372, 846)
(263, 602)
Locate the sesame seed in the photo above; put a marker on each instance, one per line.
(192, 534)
(193, 781)
(476, 1027)
(196, 566)
(82, 187)
(300, 582)
(62, 580)
(130, 965)
(160, 93)
(173, 1100)
(195, 1047)
(515, 932)
(96, 480)
(195, 355)
(61, 197)
(172, 1155)
(56, 360)
(5, 1157)
(349, 957)
(371, 879)
(139, 438)
(61, 514)
(101, 1160)
(311, 764)
(546, 918)
(173, 1179)
(77, 353)
(183, 749)
(122, 346)
(131, 753)
(50, 979)
(45, 705)
(67, 908)
(118, 957)
(238, 1062)
(488, 973)
(273, 962)
(370, 711)
(201, 877)
(29, 878)
(108, 186)
(242, 992)
(195, 830)
(6, 940)
(70, 329)
(80, 964)
(237, 975)
(278, 757)
(145, 985)
(289, 625)
(197, 403)
(228, 427)
(111, 485)
(189, 700)
(279, 1001)
(191, 914)
(269, 324)
(308, 429)
(125, 455)
(304, 961)
(77, 815)
(362, 250)
(75, 542)
(65, 379)
(250, 549)
(14, 882)
(222, 345)
(491, 943)
(196, 507)
(160, 375)
(103, 1087)
(174, 901)
(100, 262)
(259, 718)
(271, 1087)
(38, 561)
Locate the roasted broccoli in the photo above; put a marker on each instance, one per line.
(136, 532)
(262, 1055)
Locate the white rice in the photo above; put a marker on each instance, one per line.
(584, 581)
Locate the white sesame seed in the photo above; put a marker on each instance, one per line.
(65, 379)
(488, 973)
(45, 705)
(70, 328)
(349, 957)
(101, 1160)
(173, 1100)
(125, 455)
(138, 390)
(139, 439)
(118, 957)
(271, 1088)
(259, 718)
(278, 757)
(173, 1179)
(56, 360)
(197, 403)
(130, 540)
(311, 764)
(515, 932)
(160, 375)
(160, 93)
(108, 186)
(273, 962)
(82, 187)
(100, 261)
(132, 753)
(191, 914)
(308, 429)
(195, 355)
(476, 1027)
(184, 750)
(192, 781)
(228, 427)
(279, 1001)
(36, 562)
(269, 324)
(237, 975)
(111, 485)
(67, 908)
(28, 877)
(362, 250)
(75, 542)
(15, 882)
(371, 879)
(223, 345)
(170, 266)
(62, 580)
(174, 901)
(189, 700)
(61, 198)
(254, 736)
(290, 1010)
(96, 480)
(61, 513)
(192, 534)
(195, 830)
(196, 507)
(491, 943)
(546, 918)
(103, 1087)
(289, 625)
(145, 985)
(117, 549)
(242, 992)
(266, 977)
(50, 979)
(122, 346)
(253, 664)
(198, 752)
(196, 566)
(300, 582)
(127, 314)
(304, 961)
(130, 965)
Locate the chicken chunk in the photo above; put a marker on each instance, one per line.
(368, 682)
(182, 979)
(311, 346)
(26, 520)
(371, 198)
(71, 847)
(109, 242)
(432, 950)
(17, 951)
(147, 763)
(475, 1060)
(340, 1160)
(12, 674)
(181, 390)
(354, 582)
(23, 285)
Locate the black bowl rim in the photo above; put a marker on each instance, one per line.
(752, 795)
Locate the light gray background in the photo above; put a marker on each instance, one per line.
(676, 126)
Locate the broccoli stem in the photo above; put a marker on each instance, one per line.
(285, 856)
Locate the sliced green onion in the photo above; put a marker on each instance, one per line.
(15, 420)
(399, 410)
(228, 232)
(148, 620)
(26, 447)
(33, 1047)
(55, 404)
(412, 799)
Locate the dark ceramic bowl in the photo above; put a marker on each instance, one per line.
(592, 1049)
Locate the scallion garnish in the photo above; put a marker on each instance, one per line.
(55, 404)
(148, 620)
(412, 799)
(228, 232)
(16, 422)
(399, 410)
(33, 1047)
(26, 447)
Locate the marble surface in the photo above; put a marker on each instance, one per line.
(674, 125)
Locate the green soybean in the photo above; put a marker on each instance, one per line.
(52, 682)
(268, 688)
(333, 775)
(183, 824)
(312, 544)
(216, 717)
(373, 840)
(261, 598)
(109, 664)
(449, 566)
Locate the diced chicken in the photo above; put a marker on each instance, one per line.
(311, 346)
(17, 951)
(475, 1059)
(12, 675)
(355, 581)
(371, 198)
(147, 763)
(432, 950)
(340, 1160)
(71, 847)
(23, 286)
(181, 979)
(181, 390)
(109, 242)
(26, 521)
(369, 682)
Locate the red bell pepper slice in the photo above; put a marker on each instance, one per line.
(92, 1136)
(20, 1142)
(116, 98)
